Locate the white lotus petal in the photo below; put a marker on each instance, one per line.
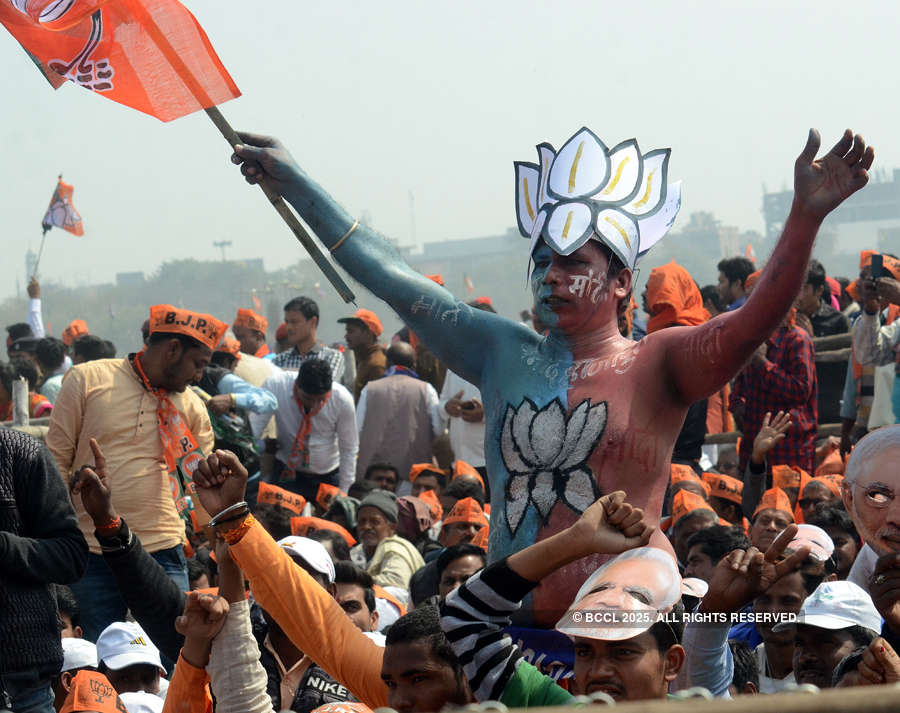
(521, 427)
(548, 433)
(527, 179)
(511, 458)
(543, 495)
(574, 426)
(620, 233)
(538, 229)
(652, 192)
(581, 167)
(580, 492)
(625, 173)
(516, 501)
(546, 154)
(568, 227)
(654, 228)
(593, 429)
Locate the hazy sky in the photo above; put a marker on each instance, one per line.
(377, 99)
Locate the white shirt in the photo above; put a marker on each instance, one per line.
(466, 439)
(863, 567)
(431, 400)
(333, 438)
(767, 684)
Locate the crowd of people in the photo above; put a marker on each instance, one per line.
(474, 508)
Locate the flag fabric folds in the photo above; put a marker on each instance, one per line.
(150, 55)
(61, 213)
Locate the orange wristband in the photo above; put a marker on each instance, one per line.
(110, 528)
(234, 535)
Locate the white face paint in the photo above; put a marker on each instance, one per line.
(590, 285)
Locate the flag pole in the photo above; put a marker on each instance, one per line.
(40, 252)
(287, 215)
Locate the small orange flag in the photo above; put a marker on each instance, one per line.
(61, 213)
(151, 55)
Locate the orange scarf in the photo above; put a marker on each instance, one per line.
(300, 452)
(180, 448)
(673, 298)
(262, 351)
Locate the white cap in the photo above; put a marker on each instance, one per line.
(142, 702)
(837, 605)
(311, 552)
(78, 653)
(124, 643)
(694, 587)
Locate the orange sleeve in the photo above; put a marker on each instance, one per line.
(188, 690)
(312, 619)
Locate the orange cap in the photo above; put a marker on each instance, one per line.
(832, 481)
(251, 320)
(481, 538)
(205, 328)
(461, 468)
(368, 318)
(679, 472)
(420, 468)
(774, 499)
(92, 691)
(77, 328)
(436, 278)
(724, 486)
(230, 346)
(273, 495)
(788, 476)
(484, 301)
(326, 493)
(434, 505)
(685, 502)
(466, 510)
(750, 282)
(302, 526)
(891, 264)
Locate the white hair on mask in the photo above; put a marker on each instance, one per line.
(653, 554)
(879, 439)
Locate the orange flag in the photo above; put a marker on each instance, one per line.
(61, 213)
(151, 55)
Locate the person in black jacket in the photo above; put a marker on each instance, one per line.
(40, 544)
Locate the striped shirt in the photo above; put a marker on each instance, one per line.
(292, 359)
(473, 617)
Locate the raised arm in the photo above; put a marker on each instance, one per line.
(474, 615)
(446, 324)
(702, 359)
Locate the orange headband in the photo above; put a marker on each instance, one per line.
(273, 495)
(420, 468)
(302, 526)
(724, 486)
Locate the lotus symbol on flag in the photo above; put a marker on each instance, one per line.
(545, 453)
(585, 189)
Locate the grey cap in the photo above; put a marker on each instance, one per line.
(382, 500)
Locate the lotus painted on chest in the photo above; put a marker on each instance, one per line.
(545, 453)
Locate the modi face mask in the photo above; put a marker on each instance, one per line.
(586, 190)
(820, 545)
(624, 597)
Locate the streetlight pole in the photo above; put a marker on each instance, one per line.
(222, 244)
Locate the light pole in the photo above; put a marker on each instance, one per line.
(222, 244)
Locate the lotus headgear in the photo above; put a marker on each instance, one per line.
(585, 190)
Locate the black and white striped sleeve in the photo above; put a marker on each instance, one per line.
(473, 617)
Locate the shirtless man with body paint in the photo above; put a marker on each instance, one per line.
(582, 411)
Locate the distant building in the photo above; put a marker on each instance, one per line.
(129, 279)
(870, 218)
(446, 256)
